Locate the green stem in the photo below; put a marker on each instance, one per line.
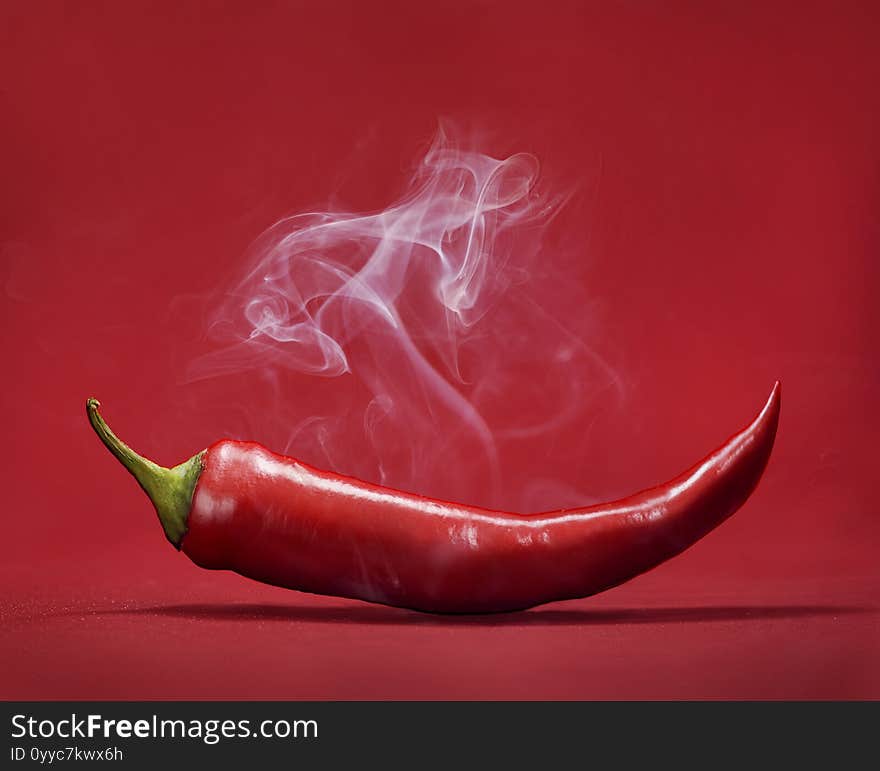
(170, 489)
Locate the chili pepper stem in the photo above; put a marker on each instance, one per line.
(170, 489)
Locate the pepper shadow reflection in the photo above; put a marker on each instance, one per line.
(382, 615)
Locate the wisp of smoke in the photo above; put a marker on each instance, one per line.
(426, 305)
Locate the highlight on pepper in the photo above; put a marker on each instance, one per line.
(238, 506)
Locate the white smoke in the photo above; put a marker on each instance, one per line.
(427, 305)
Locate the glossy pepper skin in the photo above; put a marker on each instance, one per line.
(279, 521)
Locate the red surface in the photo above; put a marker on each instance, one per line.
(725, 229)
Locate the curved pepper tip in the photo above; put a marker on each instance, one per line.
(768, 417)
(765, 425)
(775, 400)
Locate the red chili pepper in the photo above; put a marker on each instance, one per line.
(238, 506)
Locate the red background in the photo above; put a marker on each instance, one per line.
(727, 223)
